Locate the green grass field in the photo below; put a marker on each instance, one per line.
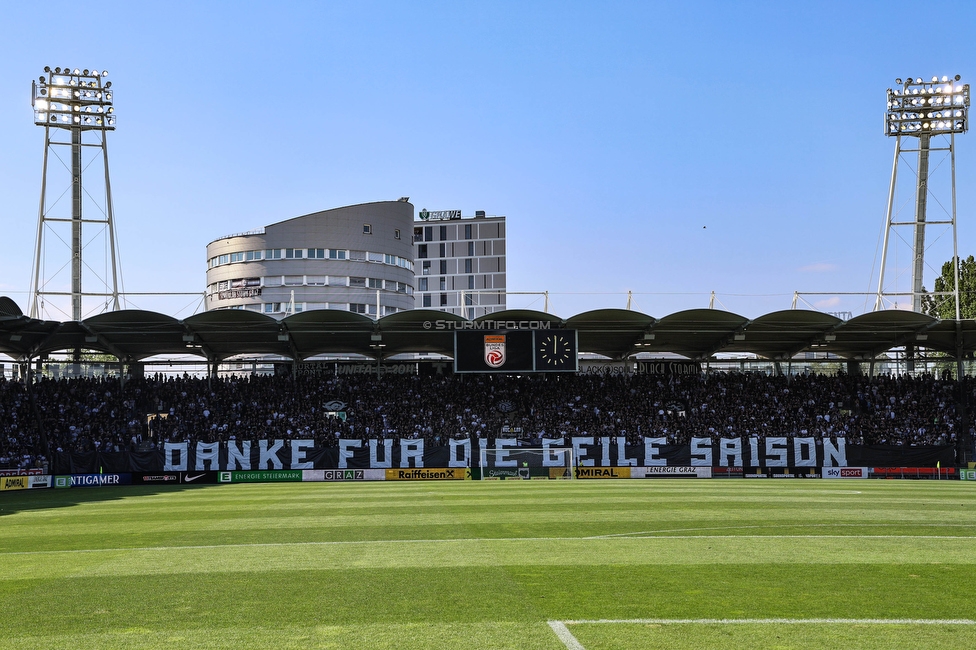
(503, 564)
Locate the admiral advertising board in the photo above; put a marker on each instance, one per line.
(14, 483)
(603, 472)
(25, 482)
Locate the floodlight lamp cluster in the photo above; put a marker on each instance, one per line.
(919, 107)
(72, 98)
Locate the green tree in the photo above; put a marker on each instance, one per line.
(944, 307)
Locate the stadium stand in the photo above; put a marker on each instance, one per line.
(86, 414)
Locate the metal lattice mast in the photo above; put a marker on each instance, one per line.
(75, 106)
(923, 109)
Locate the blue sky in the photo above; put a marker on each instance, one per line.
(669, 149)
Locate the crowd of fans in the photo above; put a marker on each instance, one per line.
(106, 414)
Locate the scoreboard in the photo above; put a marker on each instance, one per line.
(552, 350)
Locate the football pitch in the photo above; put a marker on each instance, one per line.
(501, 564)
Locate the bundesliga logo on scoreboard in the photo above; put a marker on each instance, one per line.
(495, 350)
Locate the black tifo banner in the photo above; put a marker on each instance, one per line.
(588, 452)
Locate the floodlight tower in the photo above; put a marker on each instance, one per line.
(923, 109)
(77, 105)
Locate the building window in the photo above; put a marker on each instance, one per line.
(396, 234)
(273, 254)
(467, 265)
(467, 231)
(357, 307)
(423, 284)
(426, 300)
(250, 256)
(428, 233)
(443, 267)
(357, 282)
(336, 255)
(426, 268)
(237, 257)
(443, 300)
(316, 253)
(470, 282)
(470, 249)
(443, 233)
(422, 251)
(374, 283)
(443, 284)
(401, 287)
(293, 253)
(367, 229)
(418, 234)
(443, 250)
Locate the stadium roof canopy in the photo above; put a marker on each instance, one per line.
(698, 334)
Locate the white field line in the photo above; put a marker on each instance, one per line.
(772, 621)
(466, 540)
(572, 643)
(665, 531)
(567, 638)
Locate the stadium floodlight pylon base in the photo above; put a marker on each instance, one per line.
(526, 463)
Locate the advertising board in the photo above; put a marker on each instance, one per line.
(317, 475)
(36, 482)
(91, 480)
(845, 472)
(261, 476)
(664, 471)
(603, 472)
(13, 483)
(432, 474)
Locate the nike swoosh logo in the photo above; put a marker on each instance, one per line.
(188, 479)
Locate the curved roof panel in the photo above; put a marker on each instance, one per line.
(694, 333)
(613, 333)
(132, 335)
(321, 331)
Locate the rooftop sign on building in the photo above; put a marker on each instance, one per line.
(439, 215)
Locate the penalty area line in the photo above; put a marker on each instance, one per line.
(564, 635)
(773, 621)
(561, 629)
